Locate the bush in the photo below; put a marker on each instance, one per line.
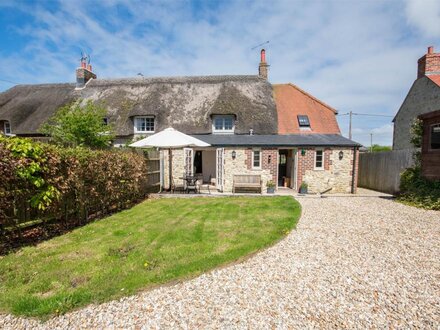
(43, 181)
(417, 191)
(80, 123)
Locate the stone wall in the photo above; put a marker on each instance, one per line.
(177, 165)
(337, 173)
(423, 97)
(242, 164)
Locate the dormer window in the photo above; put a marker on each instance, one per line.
(7, 128)
(144, 124)
(303, 121)
(223, 124)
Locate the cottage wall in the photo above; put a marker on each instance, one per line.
(337, 173)
(177, 165)
(242, 164)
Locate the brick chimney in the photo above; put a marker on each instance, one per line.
(429, 64)
(83, 74)
(263, 68)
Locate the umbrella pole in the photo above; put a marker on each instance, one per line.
(170, 158)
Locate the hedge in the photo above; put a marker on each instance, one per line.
(42, 181)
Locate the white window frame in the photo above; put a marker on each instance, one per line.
(253, 159)
(321, 168)
(142, 117)
(7, 123)
(223, 131)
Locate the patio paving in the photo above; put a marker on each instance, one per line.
(359, 262)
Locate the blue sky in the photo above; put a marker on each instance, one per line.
(354, 55)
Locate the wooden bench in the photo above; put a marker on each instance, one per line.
(248, 181)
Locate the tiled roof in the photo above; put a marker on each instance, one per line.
(435, 78)
(292, 140)
(292, 101)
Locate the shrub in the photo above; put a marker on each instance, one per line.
(414, 188)
(43, 181)
(80, 123)
(417, 191)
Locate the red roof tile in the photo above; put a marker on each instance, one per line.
(292, 101)
(435, 78)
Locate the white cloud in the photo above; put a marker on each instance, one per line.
(358, 56)
(424, 15)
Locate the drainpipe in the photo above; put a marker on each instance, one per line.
(353, 170)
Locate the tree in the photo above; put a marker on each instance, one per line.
(379, 148)
(79, 124)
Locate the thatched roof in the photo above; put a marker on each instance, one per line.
(185, 103)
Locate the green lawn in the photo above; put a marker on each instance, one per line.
(154, 242)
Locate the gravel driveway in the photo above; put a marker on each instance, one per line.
(353, 262)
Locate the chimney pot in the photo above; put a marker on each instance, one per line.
(429, 64)
(84, 74)
(263, 68)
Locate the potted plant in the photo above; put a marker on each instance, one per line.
(270, 187)
(303, 188)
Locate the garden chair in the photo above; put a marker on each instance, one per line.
(201, 184)
(191, 184)
(177, 186)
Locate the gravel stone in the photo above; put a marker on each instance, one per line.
(352, 262)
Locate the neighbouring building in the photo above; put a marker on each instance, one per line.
(279, 131)
(423, 97)
(430, 159)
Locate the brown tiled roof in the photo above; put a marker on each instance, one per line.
(435, 78)
(292, 101)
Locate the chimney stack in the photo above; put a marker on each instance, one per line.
(429, 64)
(84, 73)
(263, 68)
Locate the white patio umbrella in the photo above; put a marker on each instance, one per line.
(169, 138)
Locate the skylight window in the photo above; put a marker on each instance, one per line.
(303, 121)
